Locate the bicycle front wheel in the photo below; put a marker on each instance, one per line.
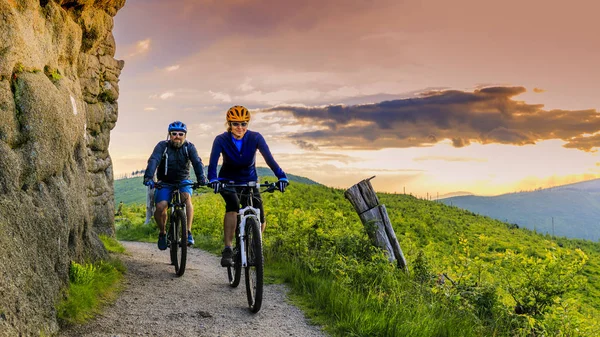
(234, 273)
(179, 241)
(254, 270)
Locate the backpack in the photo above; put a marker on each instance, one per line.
(165, 155)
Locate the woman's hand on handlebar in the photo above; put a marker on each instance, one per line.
(216, 185)
(282, 184)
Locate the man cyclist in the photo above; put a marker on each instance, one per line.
(171, 161)
(238, 147)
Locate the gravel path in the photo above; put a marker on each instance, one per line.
(200, 303)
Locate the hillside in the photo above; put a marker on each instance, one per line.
(315, 236)
(570, 210)
(132, 191)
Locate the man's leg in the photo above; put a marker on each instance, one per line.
(189, 210)
(160, 215)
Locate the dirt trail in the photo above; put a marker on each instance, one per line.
(201, 303)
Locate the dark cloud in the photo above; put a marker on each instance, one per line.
(305, 145)
(488, 115)
(584, 143)
(459, 142)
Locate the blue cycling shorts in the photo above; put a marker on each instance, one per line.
(165, 192)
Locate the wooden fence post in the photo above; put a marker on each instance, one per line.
(150, 207)
(375, 219)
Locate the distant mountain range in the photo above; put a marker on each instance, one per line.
(132, 191)
(454, 194)
(569, 210)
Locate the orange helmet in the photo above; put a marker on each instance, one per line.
(238, 113)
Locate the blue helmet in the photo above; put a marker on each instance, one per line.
(177, 126)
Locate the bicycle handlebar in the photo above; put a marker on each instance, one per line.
(161, 184)
(270, 187)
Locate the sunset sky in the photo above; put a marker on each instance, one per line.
(431, 97)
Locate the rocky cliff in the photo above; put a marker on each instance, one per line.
(58, 103)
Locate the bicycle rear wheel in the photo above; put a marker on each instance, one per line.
(254, 270)
(234, 273)
(179, 242)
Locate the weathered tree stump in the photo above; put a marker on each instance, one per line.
(375, 219)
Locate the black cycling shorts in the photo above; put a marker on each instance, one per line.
(232, 200)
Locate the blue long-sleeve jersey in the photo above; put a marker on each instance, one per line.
(239, 165)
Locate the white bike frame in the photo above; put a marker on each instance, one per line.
(254, 213)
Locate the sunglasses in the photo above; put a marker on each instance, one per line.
(243, 124)
(180, 134)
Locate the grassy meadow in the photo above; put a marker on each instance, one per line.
(469, 275)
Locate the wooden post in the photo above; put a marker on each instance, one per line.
(149, 204)
(375, 227)
(362, 196)
(375, 219)
(389, 230)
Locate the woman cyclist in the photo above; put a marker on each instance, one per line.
(238, 146)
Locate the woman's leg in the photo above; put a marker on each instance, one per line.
(229, 223)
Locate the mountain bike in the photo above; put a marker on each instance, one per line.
(177, 227)
(247, 250)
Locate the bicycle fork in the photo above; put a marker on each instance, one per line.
(242, 235)
(172, 223)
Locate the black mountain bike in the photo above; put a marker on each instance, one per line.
(247, 251)
(177, 227)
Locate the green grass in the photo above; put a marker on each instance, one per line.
(315, 242)
(344, 312)
(111, 244)
(131, 227)
(91, 286)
